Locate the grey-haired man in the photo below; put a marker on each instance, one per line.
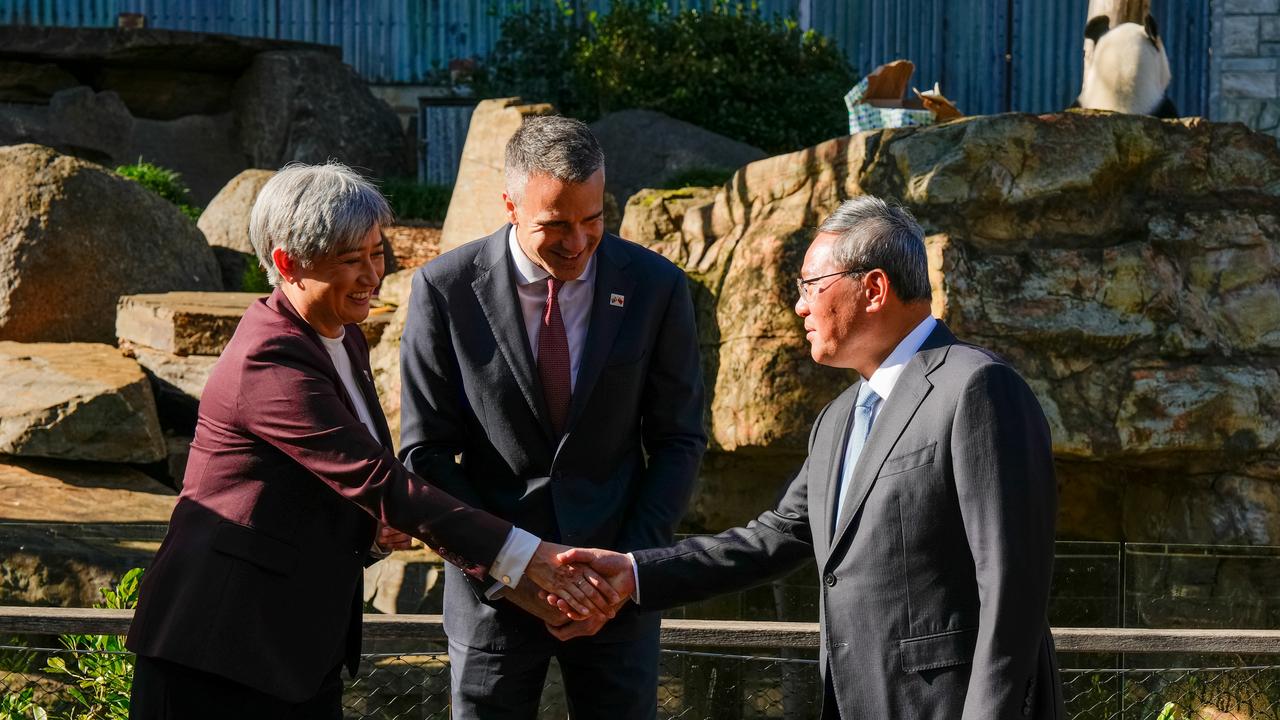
(928, 500)
(560, 364)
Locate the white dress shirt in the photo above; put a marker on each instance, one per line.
(514, 557)
(574, 297)
(882, 381)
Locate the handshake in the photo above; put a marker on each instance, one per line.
(575, 591)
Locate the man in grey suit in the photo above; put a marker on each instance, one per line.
(927, 498)
(551, 376)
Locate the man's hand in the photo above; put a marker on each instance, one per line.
(581, 590)
(579, 628)
(391, 539)
(526, 596)
(616, 567)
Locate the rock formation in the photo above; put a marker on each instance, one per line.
(76, 401)
(1127, 266)
(75, 236)
(476, 209)
(645, 149)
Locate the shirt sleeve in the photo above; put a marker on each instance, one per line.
(635, 577)
(513, 558)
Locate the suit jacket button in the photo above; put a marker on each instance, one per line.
(829, 579)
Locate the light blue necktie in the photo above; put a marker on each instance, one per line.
(862, 412)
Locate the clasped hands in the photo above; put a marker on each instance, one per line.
(578, 590)
(575, 591)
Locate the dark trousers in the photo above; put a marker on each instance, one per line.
(163, 690)
(603, 681)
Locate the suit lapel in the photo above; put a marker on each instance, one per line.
(891, 420)
(829, 443)
(606, 320)
(495, 288)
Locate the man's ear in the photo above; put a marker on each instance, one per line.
(875, 286)
(285, 265)
(511, 208)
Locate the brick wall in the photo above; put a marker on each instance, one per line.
(1245, 72)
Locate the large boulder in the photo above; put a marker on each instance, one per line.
(225, 222)
(76, 401)
(669, 147)
(476, 208)
(76, 120)
(1127, 267)
(309, 107)
(75, 236)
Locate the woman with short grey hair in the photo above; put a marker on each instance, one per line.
(252, 605)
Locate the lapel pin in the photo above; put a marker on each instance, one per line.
(616, 300)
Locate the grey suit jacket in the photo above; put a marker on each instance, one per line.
(935, 581)
(621, 475)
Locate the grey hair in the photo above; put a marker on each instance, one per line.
(560, 147)
(311, 211)
(876, 234)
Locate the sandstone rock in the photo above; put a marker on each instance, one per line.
(76, 237)
(89, 523)
(407, 581)
(182, 323)
(476, 208)
(76, 121)
(201, 148)
(77, 401)
(68, 492)
(225, 222)
(384, 360)
(166, 93)
(396, 287)
(1125, 265)
(670, 147)
(308, 106)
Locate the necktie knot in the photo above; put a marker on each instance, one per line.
(866, 396)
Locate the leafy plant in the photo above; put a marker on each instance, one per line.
(21, 706)
(729, 69)
(99, 666)
(1169, 712)
(254, 279)
(410, 200)
(163, 182)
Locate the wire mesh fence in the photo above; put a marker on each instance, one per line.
(38, 677)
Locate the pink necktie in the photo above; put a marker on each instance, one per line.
(553, 358)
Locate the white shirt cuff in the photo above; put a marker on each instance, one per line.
(635, 576)
(512, 560)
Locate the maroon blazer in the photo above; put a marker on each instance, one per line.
(259, 578)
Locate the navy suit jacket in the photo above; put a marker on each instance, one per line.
(259, 577)
(474, 418)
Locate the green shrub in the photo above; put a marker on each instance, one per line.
(99, 667)
(412, 201)
(163, 182)
(254, 279)
(728, 69)
(21, 706)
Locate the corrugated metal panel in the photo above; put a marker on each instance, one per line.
(442, 132)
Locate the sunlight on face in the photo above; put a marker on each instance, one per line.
(336, 289)
(559, 224)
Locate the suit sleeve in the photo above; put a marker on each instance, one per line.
(775, 543)
(432, 423)
(671, 427)
(1003, 465)
(287, 399)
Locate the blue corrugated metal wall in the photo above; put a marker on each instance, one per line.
(988, 55)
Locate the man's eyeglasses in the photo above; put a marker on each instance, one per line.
(805, 285)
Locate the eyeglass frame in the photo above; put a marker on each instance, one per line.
(802, 284)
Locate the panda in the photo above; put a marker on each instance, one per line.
(1125, 69)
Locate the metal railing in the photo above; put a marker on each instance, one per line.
(722, 670)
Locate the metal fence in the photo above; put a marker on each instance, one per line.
(715, 669)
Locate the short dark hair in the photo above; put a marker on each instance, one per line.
(560, 147)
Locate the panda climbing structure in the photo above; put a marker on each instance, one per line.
(1125, 69)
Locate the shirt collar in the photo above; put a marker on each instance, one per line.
(528, 272)
(886, 376)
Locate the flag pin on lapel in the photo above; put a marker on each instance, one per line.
(616, 300)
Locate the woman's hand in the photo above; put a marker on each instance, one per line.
(584, 592)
